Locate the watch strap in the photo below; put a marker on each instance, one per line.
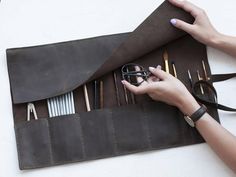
(199, 113)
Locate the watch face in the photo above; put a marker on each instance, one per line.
(189, 121)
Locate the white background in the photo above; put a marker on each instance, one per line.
(34, 22)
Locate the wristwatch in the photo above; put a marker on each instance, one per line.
(195, 116)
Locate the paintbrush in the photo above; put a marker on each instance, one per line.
(174, 69)
(165, 57)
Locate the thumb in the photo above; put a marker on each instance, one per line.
(182, 25)
(158, 73)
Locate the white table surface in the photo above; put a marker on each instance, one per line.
(34, 22)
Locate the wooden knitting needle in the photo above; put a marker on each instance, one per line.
(101, 94)
(86, 97)
(96, 94)
(117, 89)
(126, 96)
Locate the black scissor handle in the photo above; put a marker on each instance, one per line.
(130, 74)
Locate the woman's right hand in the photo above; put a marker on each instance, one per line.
(162, 86)
(202, 29)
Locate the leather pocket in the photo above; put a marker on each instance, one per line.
(33, 144)
(66, 139)
(97, 135)
(130, 134)
(163, 125)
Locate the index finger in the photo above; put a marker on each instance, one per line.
(143, 88)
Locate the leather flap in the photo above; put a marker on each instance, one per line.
(45, 71)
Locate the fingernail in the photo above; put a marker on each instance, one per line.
(122, 82)
(151, 68)
(173, 21)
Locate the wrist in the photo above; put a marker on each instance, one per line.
(216, 40)
(188, 105)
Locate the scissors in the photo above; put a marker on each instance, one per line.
(132, 71)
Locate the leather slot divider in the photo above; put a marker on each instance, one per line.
(62, 67)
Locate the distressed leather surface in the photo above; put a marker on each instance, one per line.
(62, 67)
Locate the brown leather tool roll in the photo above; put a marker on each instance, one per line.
(41, 72)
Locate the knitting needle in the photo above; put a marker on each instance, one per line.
(117, 89)
(204, 69)
(67, 103)
(174, 69)
(72, 103)
(190, 78)
(126, 96)
(86, 97)
(165, 57)
(101, 94)
(49, 108)
(58, 106)
(63, 104)
(132, 95)
(200, 78)
(206, 76)
(125, 92)
(95, 94)
(53, 107)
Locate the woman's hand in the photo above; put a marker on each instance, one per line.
(202, 29)
(164, 87)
